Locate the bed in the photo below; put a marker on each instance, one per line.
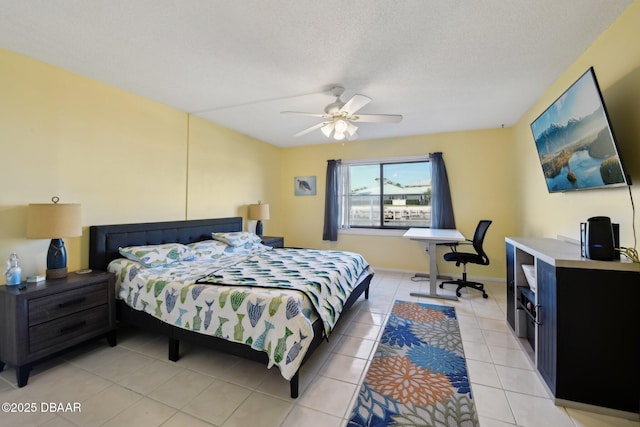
(191, 305)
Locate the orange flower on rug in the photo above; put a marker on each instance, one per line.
(401, 380)
(418, 376)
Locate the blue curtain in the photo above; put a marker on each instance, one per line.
(331, 208)
(441, 206)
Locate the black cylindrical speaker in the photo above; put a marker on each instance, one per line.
(599, 239)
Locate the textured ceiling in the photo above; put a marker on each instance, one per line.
(444, 65)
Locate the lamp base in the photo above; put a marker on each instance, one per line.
(56, 273)
(56, 260)
(259, 228)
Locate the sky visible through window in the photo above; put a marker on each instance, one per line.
(405, 174)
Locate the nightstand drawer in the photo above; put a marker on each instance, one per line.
(67, 329)
(54, 306)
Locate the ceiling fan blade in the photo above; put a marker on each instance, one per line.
(377, 118)
(355, 103)
(311, 129)
(300, 113)
(351, 129)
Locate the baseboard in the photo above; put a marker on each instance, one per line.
(454, 275)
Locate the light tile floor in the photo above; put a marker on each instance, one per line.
(133, 384)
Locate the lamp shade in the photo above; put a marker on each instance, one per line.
(259, 212)
(53, 220)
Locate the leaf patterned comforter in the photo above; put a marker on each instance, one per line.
(267, 301)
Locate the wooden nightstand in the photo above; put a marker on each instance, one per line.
(47, 318)
(273, 241)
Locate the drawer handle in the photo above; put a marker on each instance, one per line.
(72, 328)
(538, 314)
(72, 302)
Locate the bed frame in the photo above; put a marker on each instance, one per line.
(104, 241)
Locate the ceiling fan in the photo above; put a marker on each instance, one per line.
(339, 116)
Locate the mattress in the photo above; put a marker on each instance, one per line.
(247, 298)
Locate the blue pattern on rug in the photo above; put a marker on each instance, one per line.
(418, 376)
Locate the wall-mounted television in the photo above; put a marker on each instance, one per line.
(575, 142)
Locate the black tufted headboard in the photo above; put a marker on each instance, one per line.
(104, 240)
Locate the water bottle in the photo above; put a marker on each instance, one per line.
(14, 271)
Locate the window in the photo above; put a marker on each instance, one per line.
(392, 193)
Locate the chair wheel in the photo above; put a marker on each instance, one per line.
(441, 286)
(458, 294)
(485, 296)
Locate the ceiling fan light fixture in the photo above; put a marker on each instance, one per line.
(340, 125)
(338, 136)
(327, 129)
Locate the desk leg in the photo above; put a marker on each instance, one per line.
(433, 278)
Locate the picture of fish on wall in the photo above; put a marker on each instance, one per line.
(304, 186)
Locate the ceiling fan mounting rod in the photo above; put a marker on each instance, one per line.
(337, 91)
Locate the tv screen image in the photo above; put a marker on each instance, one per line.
(575, 142)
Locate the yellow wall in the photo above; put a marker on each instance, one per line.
(480, 170)
(122, 157)
(615, 57)
(227, 171)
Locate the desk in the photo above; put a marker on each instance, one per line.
(433, 236)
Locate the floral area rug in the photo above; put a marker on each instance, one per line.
(418, 376)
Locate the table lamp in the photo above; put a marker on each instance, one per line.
(54, 221)
(259, 212)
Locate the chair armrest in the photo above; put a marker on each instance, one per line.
(454, 245)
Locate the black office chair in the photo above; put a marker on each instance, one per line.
(480, 257)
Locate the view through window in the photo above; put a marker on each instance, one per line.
(387, 195)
